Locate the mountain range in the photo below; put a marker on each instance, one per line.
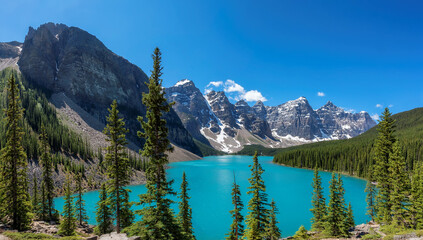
(214, 120)
(81, 77)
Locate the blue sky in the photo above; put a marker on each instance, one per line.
(357, 53)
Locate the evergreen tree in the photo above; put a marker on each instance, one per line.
(370, 198)
(35, 198)
(158, 220)
(416, 198)
(336, 219)
(318, 202)
(81, 213)
(301, 234)
(118, 168)
(400, 183)
(272, 230)
(47, 168)
(350, 217)
(103, 213)
(382, 150)
(345, 224)
(185, 211)
(68, 224)
(257, 218)
(237, 228)
(44, 202)
(15, 201)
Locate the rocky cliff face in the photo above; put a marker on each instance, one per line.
(68, 60)
(339, 124)
(214, 120)
(295, 118)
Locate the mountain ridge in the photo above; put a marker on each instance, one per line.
(228, 127)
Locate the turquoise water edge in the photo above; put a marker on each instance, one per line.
(210, 181)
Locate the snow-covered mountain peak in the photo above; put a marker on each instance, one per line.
(184, 82)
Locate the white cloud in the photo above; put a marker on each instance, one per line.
(216, 84)
(253, 96)
(375, 116)
(391, 105)
(232, 86)
(320, 94)
(235, 92)
(379, 105)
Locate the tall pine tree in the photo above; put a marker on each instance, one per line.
(370, 197)
(47, 168)
(103, 213)
(118, 168)
(272, 230)
(257, 218)
(15, 201)
(237, 228)
(336, 218)
(68, 224)
(382, 150)
(36, 204)
(318, 202)
(185, 211)
(81, 213)
(158, 220)
(400, 183)
(416, 197)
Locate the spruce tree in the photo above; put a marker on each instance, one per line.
(272, 230)
(400, 183)
(416, 197)
(382, 150)
(36, 204)
(47, 168)
(318, 202)
(15, 200)
(237, 228)
(185, 211)
(118, 168)
(68, 224)
(103, 213)
(81, 213)
(158, 220)
(44, 202)
(257, 218)
(350, 217)
(345, 224)
(370, 198)
(336, 218)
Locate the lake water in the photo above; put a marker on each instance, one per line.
(210, 181)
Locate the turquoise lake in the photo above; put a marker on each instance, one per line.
(210, 181)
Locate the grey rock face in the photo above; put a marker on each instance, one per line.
(69, 60)
(9, 54)
(192, 108)
(251, 120)
(224, 110)
(295, 118)
(340, 124)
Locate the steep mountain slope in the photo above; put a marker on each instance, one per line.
(9, 54)
(215, 121)
(68, 60)
(355, 155)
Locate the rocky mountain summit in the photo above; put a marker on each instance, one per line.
(228, 127)
(70, 61)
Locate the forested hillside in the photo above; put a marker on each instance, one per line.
(71, 152)
(354, 156)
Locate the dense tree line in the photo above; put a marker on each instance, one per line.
(356, 156)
